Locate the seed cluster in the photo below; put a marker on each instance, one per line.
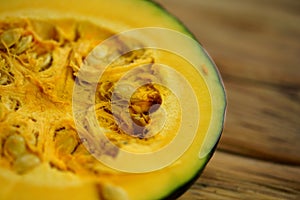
(39, 62)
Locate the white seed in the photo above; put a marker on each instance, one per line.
(3, 78)
(67, 145)
(13, 104)
(25, 163)
(9, 38)
(23, 45)
(124, 90)
(100, 51)
(65, 141)
(15, 145)
(44, 62)
(111, 192)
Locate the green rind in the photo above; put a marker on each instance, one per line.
(174, 194)
(173, 18)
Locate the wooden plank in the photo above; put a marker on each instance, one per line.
(262, 121)
(229, 177)
(257, 40)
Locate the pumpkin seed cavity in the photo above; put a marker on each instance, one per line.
(39, 61)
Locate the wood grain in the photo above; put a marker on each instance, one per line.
(256, 45)
(262, 122)
(230, 177)
(261, 37)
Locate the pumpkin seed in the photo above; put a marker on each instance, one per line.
(13, 104)
(99, 52)
(15, 145)
(113, 192)
(65, 141)
(23, 45)
(67, 145)
(9, 38)
(44, 62)
(45, 30)
(3, 79)
(124, 90)
(25, 163)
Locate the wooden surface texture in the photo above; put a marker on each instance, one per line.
(256, 45)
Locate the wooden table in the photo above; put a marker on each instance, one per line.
(256, 45)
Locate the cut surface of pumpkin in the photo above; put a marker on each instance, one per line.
(143, 128)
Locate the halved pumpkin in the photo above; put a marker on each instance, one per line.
(44, 155)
